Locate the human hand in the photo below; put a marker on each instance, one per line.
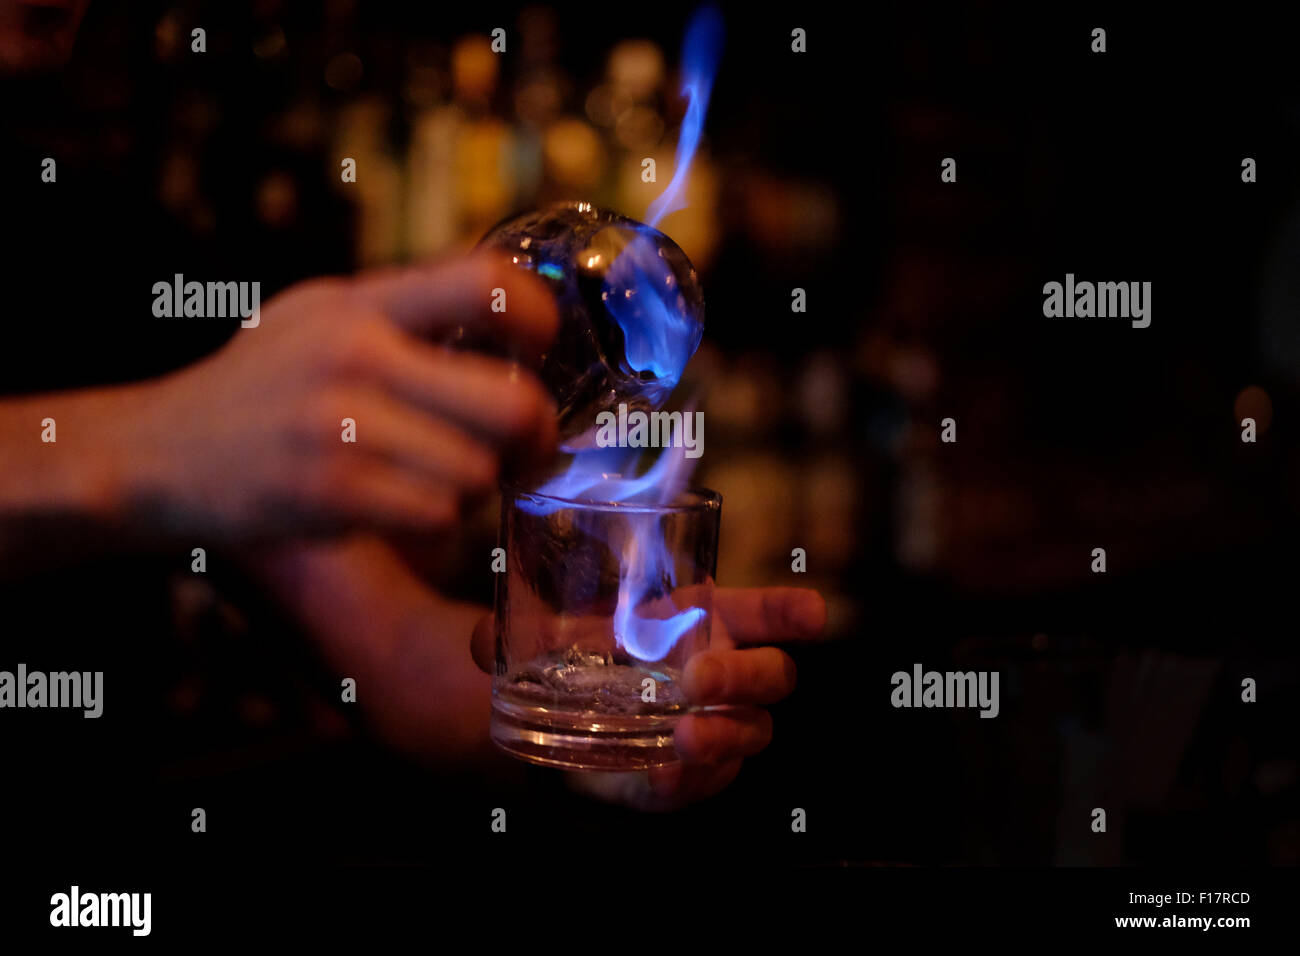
(248, 444)
(732, 682)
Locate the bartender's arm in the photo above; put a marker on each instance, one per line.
(247, 445)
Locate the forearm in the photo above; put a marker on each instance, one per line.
(406, 646)
(65, 475)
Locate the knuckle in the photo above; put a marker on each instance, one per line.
(319, 419)
(357, 348)
(326, 287)
(316, 294)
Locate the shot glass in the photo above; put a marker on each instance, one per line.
(600, 607)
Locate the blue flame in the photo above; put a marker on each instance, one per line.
(647, 575)
(640, 291)
(598, 475)
(701, 52)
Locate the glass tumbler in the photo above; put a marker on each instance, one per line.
(599, 609)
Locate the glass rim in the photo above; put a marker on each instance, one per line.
(705, 499)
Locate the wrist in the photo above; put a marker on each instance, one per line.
(125, 487)
(57, 487)
(77, 460)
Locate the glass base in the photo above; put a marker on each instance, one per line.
(579, 740)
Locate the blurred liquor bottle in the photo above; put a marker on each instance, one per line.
(459, 158)
(1049, 459)
(782, 459)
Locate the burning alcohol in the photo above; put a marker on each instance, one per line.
(631, 309)
(602, 604)
(609, 577)
(609, 583)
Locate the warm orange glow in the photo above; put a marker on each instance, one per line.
(1253, 402)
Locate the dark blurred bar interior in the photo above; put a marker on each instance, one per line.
(821, 173)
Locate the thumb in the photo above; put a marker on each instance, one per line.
(480, 293)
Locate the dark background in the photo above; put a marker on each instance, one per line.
(1119, 690)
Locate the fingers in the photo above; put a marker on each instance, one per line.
(771, 615)
(711, 737)
(430, 448)
(675, 784)
(759, 676)
(483, 643)
(495, 400)
(429, 300)
(378, 494)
